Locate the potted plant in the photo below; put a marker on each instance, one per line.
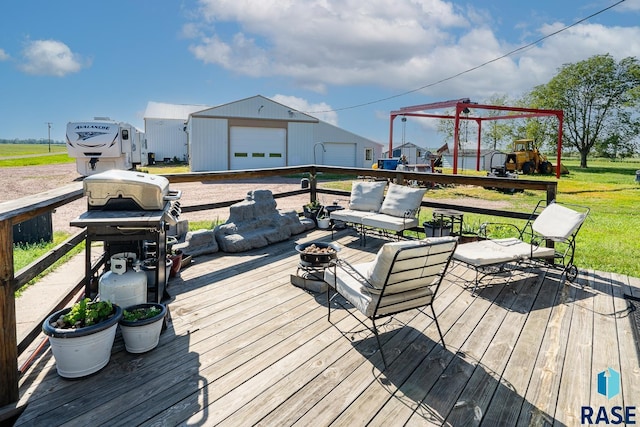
(81, 336)
(323, 219)
(141, 325)
(311, 210)
(437, 228)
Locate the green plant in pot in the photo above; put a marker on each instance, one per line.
(141, 326)
(312, 209)
(81, 336)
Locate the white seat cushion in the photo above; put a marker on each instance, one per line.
(402, 200)
(489, 252)
(350, 215)
(354, 291)
(389, 222)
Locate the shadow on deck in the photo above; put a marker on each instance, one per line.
(246, 347)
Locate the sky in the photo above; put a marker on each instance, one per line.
(347, 62)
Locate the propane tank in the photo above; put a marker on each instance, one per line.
(122, 285)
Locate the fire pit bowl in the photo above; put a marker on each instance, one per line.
(317, 253)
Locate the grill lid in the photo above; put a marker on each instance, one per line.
(119, 188)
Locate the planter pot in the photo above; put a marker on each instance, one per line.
(436, 230)
(311, 213)
(323, 223)
(143, 335)
(176, 260)
(82, 351)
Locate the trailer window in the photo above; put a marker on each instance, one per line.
(125, 134)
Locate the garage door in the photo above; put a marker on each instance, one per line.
(339, 154)
(253, 148)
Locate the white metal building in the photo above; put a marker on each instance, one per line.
(164, 126)
(257, 132)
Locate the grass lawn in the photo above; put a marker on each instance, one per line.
(33, 155)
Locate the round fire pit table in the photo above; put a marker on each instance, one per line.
(314, 258)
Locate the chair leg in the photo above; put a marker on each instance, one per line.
(328, 304)
(375, 332)
(435, 319)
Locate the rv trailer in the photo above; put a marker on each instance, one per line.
(104, 144)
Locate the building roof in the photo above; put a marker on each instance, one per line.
(161, 110)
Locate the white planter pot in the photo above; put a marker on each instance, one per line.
(83, 351)
(323, 223)
(141, 336)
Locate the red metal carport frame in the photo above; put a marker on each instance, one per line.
(460, 105)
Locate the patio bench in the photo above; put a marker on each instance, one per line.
(369, 207)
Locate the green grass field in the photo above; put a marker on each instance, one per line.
(33, 155)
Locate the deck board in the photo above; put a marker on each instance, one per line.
(245, 347)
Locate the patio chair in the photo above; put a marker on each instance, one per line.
(405, 275)
(549, 236)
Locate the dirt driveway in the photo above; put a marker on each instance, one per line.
(18, 182)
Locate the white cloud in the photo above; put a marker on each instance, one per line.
(400, 45)
(50, 57)
(3, 55)
(320, 110)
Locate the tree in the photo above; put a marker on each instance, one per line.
(598, 97)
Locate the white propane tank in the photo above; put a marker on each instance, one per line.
(122, 286)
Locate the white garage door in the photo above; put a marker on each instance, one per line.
(253, 148)
(339, 154)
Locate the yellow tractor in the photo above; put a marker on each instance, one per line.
(526, 158)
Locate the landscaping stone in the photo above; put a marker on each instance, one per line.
(255, 222)
(198, 242)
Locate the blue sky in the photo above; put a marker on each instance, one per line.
(72, 60)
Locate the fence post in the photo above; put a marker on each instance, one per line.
(313, 185)
(8, 341)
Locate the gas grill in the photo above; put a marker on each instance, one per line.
(128, 210)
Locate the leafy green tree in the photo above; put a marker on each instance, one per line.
(599, 98)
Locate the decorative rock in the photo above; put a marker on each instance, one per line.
(198, 242)
(255, 222)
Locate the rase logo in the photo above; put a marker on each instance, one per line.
(608, 386)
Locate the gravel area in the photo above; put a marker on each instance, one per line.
(18, 182)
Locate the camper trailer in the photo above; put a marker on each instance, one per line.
(104, 144)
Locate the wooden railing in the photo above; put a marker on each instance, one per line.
(17, 211)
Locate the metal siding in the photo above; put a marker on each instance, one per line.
(300, 144)
(209, 145)
(166, 138)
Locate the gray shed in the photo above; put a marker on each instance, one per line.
(257, 132)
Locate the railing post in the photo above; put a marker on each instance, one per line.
(551, 192)
(8, 341)
(313, 185)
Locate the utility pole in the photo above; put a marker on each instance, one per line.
(49, 126)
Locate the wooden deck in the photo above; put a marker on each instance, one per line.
(245, 347)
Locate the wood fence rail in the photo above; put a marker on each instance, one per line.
(17, 211)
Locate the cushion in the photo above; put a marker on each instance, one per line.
(389, 222)
(498, 251)
(557, 222)
(400, 199)
(367, 196)
(379, 268)
(350, 215)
